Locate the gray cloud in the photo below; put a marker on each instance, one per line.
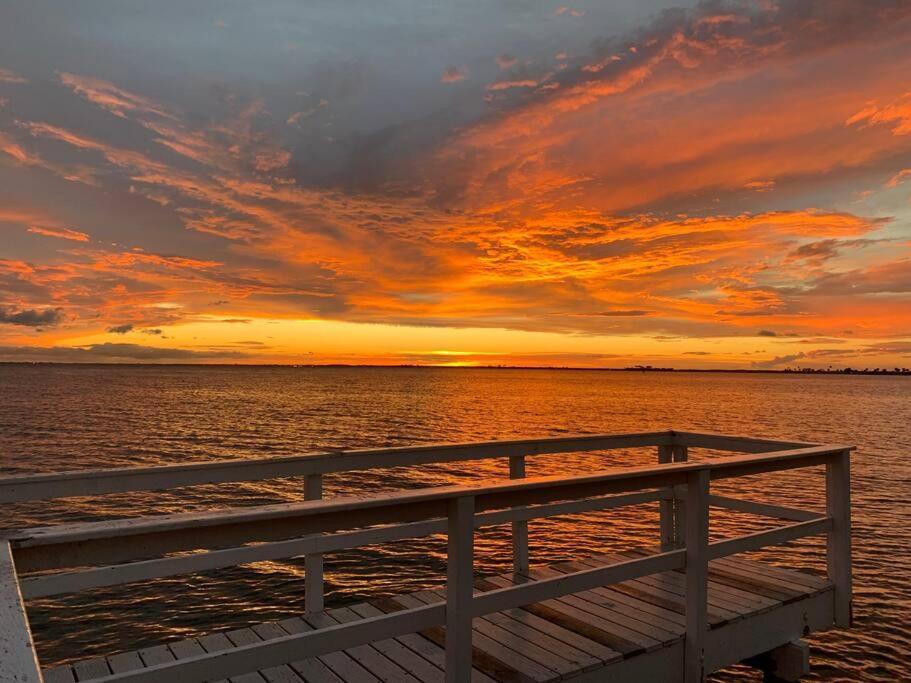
(121, 329)
(778, 361)
(31, 317)
(113, 352)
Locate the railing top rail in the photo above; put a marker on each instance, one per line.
(271, 522)
(89, 482)
(21, 487)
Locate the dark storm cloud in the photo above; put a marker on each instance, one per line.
(31, 317)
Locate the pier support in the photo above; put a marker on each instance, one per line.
(787, 663)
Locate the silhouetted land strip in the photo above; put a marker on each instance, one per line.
(636, 368)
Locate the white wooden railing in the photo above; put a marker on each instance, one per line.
(88, 555)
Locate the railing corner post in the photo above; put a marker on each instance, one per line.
(459, 589)
(838, 545)
(313, 562)
(697, 540)
(679, 454)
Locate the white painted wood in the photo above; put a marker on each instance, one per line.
(277, 651)
(838, 547)
(666, 507)
(459, 589)
(519, 527)
(745, 465)
(736, 444)
(772, 537)
(279, 529)
(680, 453)
(763, 509)
(313, 562)
(18, 662)
(125, 539)
(112, 575)
(97, 482)
(697, 538)
(564, 584)
(67, 582)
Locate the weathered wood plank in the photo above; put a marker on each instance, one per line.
(394, 651)
(59, 674)
(571, 617)
(554, 665)
(430, 643)
(18, 661)
(394, 648)
(555, 586)
(366, 655)
(499, 661)
(331, 666)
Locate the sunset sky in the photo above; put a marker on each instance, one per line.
(713, 185)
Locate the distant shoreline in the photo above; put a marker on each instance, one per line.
(899, 372)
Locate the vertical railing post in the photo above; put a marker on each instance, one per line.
(520, 563)
(459, 589)
(313, 563)
(838, 545)
(666, 507)
(697, 570)
(679, 454)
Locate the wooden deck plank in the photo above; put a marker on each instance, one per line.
(573, 635)
(731, 597)
(427, 645)
(573, 618)
(515, 638)
(59, 674)
(498, 661)
(286, 673)
(88, 669)
(246, 636)
(366, 655)
(720, 610)
(799, 576)
(765, 585)
(394, 650)
(550, 636)
(125, 661)
(341, 664)
(670, 622)
(591, 602)
(157, 654)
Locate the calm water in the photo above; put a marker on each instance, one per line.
(70, 417)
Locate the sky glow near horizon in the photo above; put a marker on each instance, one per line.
(718, 185)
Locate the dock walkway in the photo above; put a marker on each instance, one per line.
(674, 612)
(632, 630)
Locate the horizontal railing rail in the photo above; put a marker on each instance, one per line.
(219, 538)
(24, 487)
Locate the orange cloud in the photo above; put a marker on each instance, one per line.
(62, 233)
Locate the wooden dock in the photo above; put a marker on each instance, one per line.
(673, 612)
